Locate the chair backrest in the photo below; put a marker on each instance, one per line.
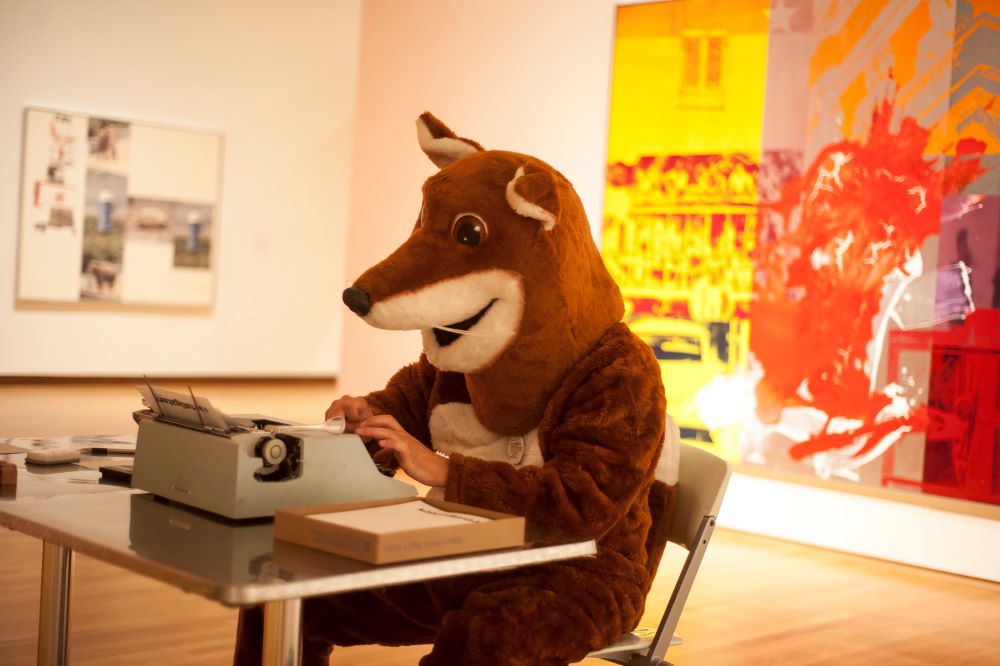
(701, 484)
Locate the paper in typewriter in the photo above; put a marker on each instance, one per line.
(413, 515)
(180, 408)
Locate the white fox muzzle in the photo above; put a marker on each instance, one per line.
(466, 321)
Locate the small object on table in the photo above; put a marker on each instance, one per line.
(8, 474)
(117, 473)
(52, 457)
(109, 450)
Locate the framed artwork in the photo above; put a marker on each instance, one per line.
(117, 214)
(802, 208)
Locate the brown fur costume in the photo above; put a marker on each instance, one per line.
(548, 406)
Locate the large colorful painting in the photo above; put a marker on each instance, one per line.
(803, 212)
(116, 214)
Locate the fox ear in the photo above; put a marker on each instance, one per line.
(441, 144)
(532, 193)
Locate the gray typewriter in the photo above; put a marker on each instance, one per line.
(243, 466)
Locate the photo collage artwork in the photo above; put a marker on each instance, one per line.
(117, 213)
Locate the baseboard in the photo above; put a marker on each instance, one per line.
(895, 531)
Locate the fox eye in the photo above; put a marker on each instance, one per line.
(469, 230)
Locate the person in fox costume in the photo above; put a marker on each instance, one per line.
(531, 398)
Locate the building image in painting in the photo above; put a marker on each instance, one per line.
(680, 216)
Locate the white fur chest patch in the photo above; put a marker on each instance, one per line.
(455, 429)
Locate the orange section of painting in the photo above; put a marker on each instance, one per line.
(987, 7)
(833, 50)
(905, 41)
(851, 97)
(974, 111)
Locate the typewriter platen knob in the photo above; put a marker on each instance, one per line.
(272, 451)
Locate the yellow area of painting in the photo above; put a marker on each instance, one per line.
(651, 113)
(680, 218)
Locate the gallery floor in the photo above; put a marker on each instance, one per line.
(756, 600)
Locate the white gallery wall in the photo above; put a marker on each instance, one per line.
(519, 75)
(278, 80)
(534, 77)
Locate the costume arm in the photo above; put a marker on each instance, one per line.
(601, 438)
(406, 398)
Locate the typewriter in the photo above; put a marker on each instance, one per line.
(248, 466)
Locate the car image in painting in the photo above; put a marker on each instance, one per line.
(688, 361)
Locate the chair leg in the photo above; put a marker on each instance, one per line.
(643, 660)
(665, 632)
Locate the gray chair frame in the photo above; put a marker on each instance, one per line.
(701, 485)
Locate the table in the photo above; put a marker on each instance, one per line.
(71, 510)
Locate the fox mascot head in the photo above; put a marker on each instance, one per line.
(500, 274)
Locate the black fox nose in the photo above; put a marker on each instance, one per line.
(358, 300)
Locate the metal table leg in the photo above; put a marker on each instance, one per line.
(53, 615)
(283, 632)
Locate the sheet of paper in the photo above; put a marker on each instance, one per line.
(116, 443)
(10, 448)
(179, 407)
(413, 515)
(237, 421)
(105, 444)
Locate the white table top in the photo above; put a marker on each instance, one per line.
(235, 564)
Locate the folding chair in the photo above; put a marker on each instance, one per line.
(701, 483)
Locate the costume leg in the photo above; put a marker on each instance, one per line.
(541, 616)
(389, 616)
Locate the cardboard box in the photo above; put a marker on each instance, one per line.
(382, 532)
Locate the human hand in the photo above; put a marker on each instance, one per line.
(418, 461)
(354, 410)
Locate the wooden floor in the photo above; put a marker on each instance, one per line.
(756, 600)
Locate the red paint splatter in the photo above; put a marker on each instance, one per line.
(858, 212)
